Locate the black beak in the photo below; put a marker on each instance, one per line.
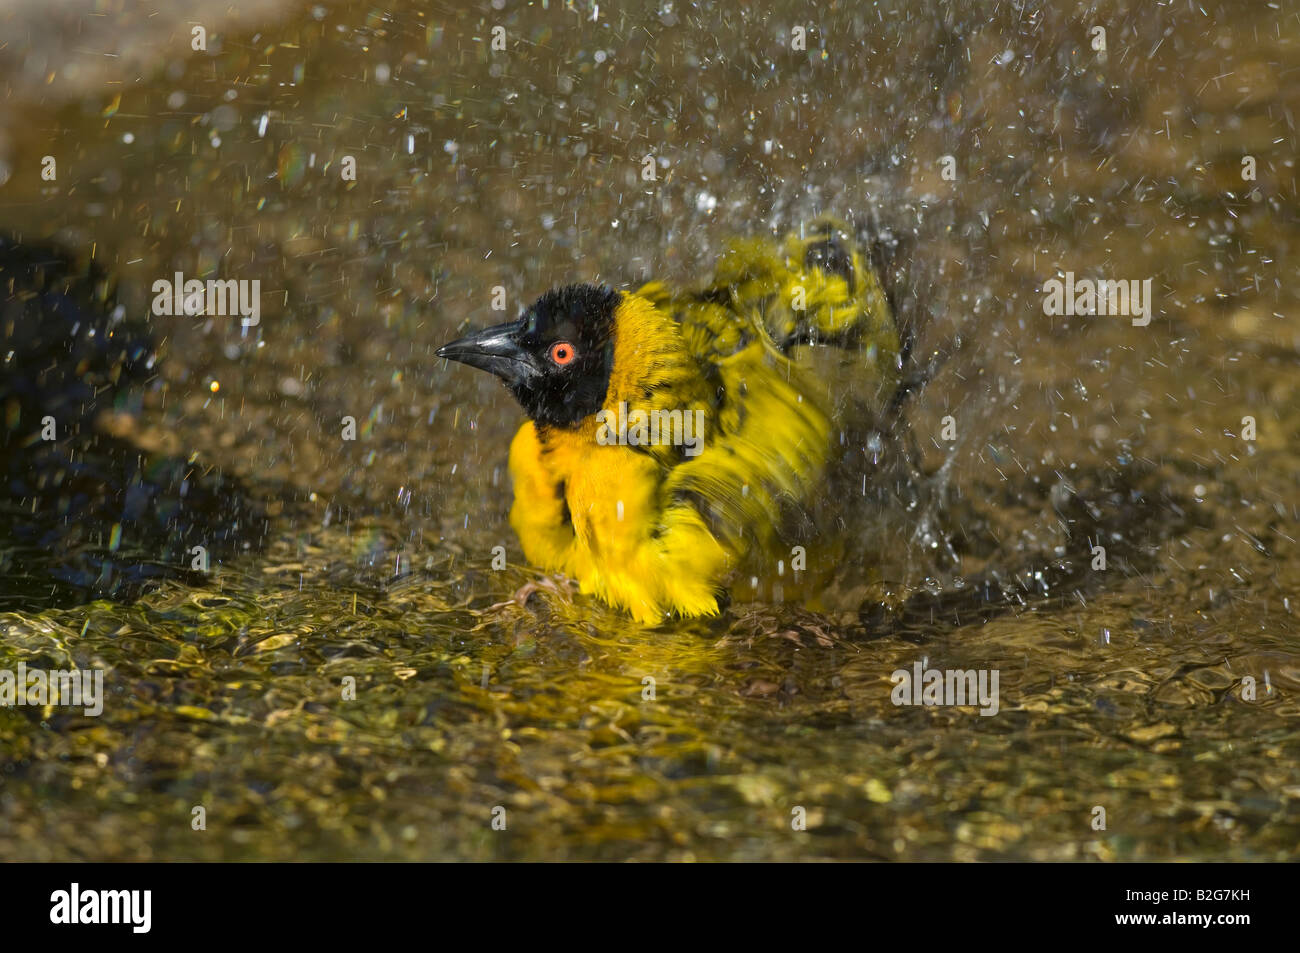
(498, 351)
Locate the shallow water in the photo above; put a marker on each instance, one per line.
(1125, 688)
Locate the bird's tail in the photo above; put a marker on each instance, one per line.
(816, 286)
(819, 285)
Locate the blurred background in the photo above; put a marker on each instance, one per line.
(1117, 155)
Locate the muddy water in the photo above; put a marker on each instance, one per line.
(1162, 688)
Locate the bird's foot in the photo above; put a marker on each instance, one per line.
(558, 584)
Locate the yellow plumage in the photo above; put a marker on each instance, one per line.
(652, 530)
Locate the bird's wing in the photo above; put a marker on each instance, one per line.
(771, 430)
(765, 454)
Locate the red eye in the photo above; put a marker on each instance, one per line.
(562, 353)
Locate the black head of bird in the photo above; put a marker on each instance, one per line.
(556, 359)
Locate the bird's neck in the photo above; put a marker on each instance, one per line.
(652, 367)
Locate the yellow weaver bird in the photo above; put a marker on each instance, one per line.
(680, 441)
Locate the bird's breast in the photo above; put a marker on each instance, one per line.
(612, 492)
